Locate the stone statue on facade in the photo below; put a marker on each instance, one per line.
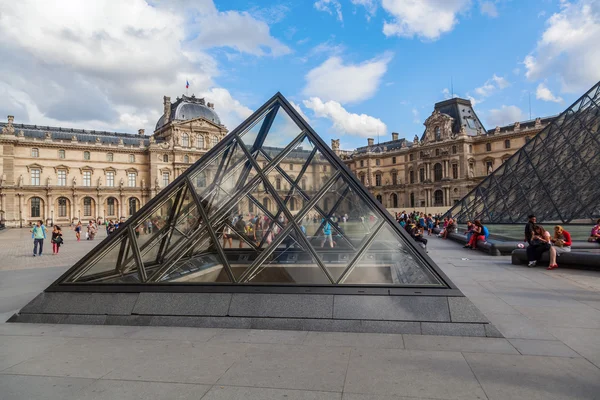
(20, 180)
(121, 183)
(48, 136)
(471, 172)
(416, 140)
(99, 182)
(9, 129)
(497, 130)
(74, 181)
(517, 126)
(490, 170)
(49, 181)
(156, 183)
(143, 183)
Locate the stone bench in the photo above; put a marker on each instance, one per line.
(487, 247)
(574, 259)
(507, 247)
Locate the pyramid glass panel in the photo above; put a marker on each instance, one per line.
(555, 176)
(271, 205)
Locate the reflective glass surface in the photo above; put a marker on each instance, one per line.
(271, 205)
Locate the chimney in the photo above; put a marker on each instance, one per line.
(10, 119)
(167, 108)
(394, 135)
(141, 132)
(370, 141)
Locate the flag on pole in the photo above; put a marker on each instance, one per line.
(187, 84)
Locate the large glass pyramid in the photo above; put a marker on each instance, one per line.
(555, 176)
(269, 205)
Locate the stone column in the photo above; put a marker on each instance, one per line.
(121, 206)
(22, 211)
(49, 207)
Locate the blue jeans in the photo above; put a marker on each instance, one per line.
(37, 242)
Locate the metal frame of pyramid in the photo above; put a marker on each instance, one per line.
(178, 234)
(556, 175)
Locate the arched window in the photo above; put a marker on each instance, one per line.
(36, 207)
(412, 199)
(438, 198)
(214, 141)
(62, 207)
(292, 204)
(200, 143)
(362, 178)
(87, 206)
(165, 158)
(266, 203)
(411, 157)
(185, 140)
(437, 172)
(438, 134)
(133, 205)
(378, 180)
(186, 159)
(109, 157)
(394, 198)
(411, 176)
(86, 155)
(454, 149)
(110, 206)
(379, 198)
(422, 175)
(394, 178)
(470, 148)
(131, 158)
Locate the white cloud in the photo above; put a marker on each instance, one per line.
(490, 87)
(488, 8)
(330, 6)
(569, 47)
(369, 5)
(106, 64)
(230, 110)
(345, 122)
(346, 83)
(415, 114)
(299, 109)
(504, 116)
(543, 93)
(428, 19)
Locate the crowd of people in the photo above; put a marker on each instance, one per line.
(540, 241)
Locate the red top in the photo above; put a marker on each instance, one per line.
(567, 236)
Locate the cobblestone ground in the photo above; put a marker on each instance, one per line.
(16, 249)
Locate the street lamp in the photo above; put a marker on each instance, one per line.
(51, 217)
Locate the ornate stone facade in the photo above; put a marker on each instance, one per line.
(451, 157)
(66, 175)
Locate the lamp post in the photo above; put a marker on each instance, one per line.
(51, 217)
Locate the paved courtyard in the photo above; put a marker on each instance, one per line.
(551, 349)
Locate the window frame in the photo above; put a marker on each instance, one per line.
(110, 179)
(110, 157)
(36, 176)
(35, 152)
(166, 181)
(38, 208)
(131, 178)
(132, 158)
(62, 154)
(61, 180)
(87, 178)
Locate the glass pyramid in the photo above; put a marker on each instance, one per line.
(270, 205)
(555, 176)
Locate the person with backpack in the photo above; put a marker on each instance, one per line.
(240, 228)
(57, 239)
(38, 234)
(327, 234)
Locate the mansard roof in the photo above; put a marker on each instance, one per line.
(463, 113)
(389, 146)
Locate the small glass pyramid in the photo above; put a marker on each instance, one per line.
(270, 205)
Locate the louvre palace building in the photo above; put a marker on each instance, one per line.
(65, 175)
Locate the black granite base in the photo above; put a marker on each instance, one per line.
(434, 315)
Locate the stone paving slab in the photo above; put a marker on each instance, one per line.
(351, 339)
(20, 387)
(249, 393)
(551, 348)
(129, 390)
(457, 343)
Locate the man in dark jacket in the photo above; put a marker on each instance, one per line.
(529, 228)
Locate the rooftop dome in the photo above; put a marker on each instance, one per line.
(186, 108)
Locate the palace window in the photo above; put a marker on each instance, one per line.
(61, 154)
(362, 179)
(437, 172)
(186, 159)
(437, 152)
(87, 206)
(214, 141)
(394, 178)
(454, 150)
(35, 153)
(421, 154)
(455, 171)
(394, 199)
(378, 162)
(165, 158)
(200, 144)
(110, 205)
(489, 167)
(488, 147)
(35, 176)
(278, 183)
(393, 160)
(438, 134)
(131, 179)
(62, 207)
(362, 163)
(86, 155)
(165, 176)
(36, 208)
(109, 157)
(87, 178)
(131, 158)
(303, 184)
(110, 179)
(411, 176)
(200, 179)
(422, 175)
(470, 148)
(62, 178)
(292, 204)
(438, 198)
(291, 167)
(379, 198)
(324, 168)
(411, 157)
(507, 144)
(378, 180)
(133, 203)
(412, 199)
(185, 140)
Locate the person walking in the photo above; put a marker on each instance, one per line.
(326, 234)
(561, 243)
(78, 228)
(38, 234)
(57, 239)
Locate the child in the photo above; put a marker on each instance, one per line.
(57, 239)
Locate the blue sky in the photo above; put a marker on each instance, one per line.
(355, 68)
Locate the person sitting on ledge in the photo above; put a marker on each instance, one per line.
(540, 243)
(415, 233)
(469, 231)
(595, 235)
(450, 228)
(476, 234)
(561, 243)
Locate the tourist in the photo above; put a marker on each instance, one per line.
(78, 228)
(595, 235)
(38, 234)
(111, 227)
(326, 234)
(240, 229)
(469, 231)
(476, 234)
(415, 233)
(540, 243)
(57, 239)
(91, 231)
(561, 243)
(227, 237)
(531, 220)
(450, 228)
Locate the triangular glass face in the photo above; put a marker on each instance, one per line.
(271, 205)
(554, 176)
